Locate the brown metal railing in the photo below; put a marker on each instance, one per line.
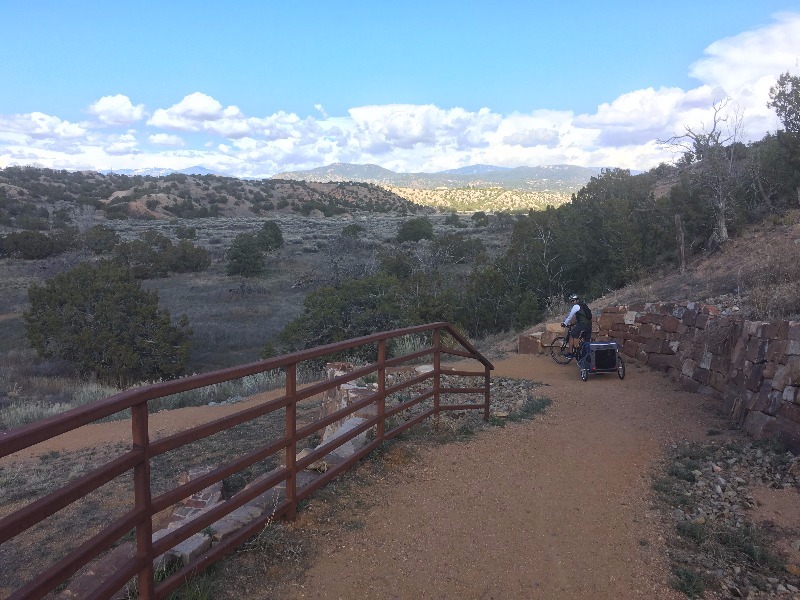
(138, 457)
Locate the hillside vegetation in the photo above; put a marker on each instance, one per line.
(34, 198)
(559, 179)
(493, 199)
(251, 286)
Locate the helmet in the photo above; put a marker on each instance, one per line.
(574, 297)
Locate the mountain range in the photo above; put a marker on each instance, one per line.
(557, 179)
(196, 170)
(545, 178)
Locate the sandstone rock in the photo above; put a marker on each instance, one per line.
(190, 549)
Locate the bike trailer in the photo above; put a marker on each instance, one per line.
(601, 357)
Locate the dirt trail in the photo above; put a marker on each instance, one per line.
(553, 508)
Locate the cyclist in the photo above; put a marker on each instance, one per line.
(581, 315)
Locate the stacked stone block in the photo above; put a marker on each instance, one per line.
(753, 366)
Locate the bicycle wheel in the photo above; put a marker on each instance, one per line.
(558, 349)
(621, 368)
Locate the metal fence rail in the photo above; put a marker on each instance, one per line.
(137, 459)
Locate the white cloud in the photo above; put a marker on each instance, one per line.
(41, 126)
(736, 63)
(621, 132)
(123, 144)
(321, 110)
(165, 139)
(379, 129)
(117, 110)
(190, 113)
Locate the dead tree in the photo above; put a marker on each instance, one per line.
(710, 153)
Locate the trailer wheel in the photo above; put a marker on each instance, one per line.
(621, 368)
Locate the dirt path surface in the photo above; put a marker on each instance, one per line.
(557, 507)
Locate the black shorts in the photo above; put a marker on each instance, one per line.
(580, 329)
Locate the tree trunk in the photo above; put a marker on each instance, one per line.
(721, 228)
(681, 246)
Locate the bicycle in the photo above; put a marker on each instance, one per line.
(560, 347)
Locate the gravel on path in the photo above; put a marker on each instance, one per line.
(557, 507)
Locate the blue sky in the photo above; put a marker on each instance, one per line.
(255, 88)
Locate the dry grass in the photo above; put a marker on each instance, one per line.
(233, 319)
(20, 483)
(773, 289)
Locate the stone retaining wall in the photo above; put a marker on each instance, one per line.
(753, 366)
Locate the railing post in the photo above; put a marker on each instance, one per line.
(291, 435)
(381, 390)
(486, 383)
(143, 500)
(437, 370)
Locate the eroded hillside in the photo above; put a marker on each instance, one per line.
(30, 198)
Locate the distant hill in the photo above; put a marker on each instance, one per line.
(474, 170)
(31, 197)
(196, 170)
(471, 188)
(561, 179)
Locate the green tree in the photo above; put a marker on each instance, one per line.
(185, 257)
(270, 236)
(784, 97)
(185, 233)
(99, 318)
(30, 245)
(414, 230)
(480, 219)
(354, 308)
(454, 220)
(147, 257)
(718, 169)
(245, 256)
(353, 230)
(100, 239)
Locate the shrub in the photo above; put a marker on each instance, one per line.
(353, 230)
(154, 255)
(21, 413)
(459, 248)
(480, 219)
(245, 257)
(61, 218)
(29, 245)
(65, 238)
(31, 222)
(354, 308)
(416, 229)
(185, 257)
(100, 319)
(454, 220)
(100, 239)
(142, 259)
(185, 233)
(270, 237)
(116, 211)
